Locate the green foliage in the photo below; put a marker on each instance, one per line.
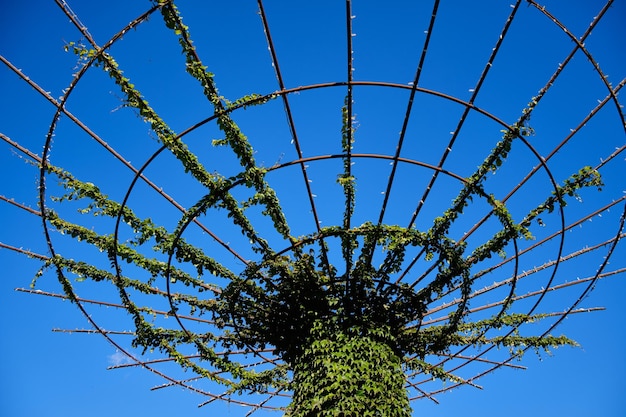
(347, 339)
(348, 374)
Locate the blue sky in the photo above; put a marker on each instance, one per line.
(58, 374)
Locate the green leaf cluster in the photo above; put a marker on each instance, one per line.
(348, 339)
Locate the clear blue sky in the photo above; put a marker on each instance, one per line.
(57, 374)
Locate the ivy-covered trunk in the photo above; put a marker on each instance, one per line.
(348, 375)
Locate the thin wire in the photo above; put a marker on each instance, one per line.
(466, 111)
(292, 129)
(407, 114)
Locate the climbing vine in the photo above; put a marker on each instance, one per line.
(344, 340)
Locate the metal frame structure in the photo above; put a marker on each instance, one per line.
(454, 361)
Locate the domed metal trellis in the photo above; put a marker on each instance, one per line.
(426, 283)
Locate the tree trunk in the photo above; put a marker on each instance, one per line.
(349, 376)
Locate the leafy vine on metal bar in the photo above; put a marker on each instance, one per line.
(289, 300)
